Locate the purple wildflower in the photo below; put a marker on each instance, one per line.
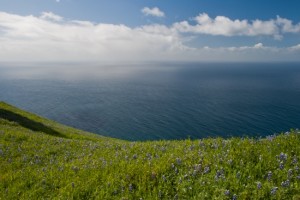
(259, 186)
(285, 183)
(227, 192)
(274, 190)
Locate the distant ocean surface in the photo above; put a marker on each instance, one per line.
(160, 101)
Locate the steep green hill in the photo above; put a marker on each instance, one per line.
(41, 159)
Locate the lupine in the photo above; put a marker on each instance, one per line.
(227, 192)
(283, 156)
(269, 176)
(206, 170)
(234, 197)
(259, 186)
(285, 183)
(274, 190)
(290, 172)
(281, 165)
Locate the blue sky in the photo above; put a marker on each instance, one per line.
(201, 30)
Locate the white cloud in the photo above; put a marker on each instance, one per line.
(287, 25)
(156, 12)
(225, 26)
(50, 37)
(51, 16)
(258, 46)
(57, 1)
(295, 48)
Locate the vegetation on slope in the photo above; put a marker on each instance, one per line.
(41, 159)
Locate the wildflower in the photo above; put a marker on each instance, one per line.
(178, 161)
(259, 186)
(281, 165)
(206, 170)
(227, 192)
(185, 176)
(290, 172)
(269, 177)
(285, 183)
(172, 165)
(229, 162)
(197, 167)
(130, 187)
(219, 174)
(283, 156)
(287, 133)
(270, 137)
(176, 170)
(274, 190)
(234, 197)
(295, 160)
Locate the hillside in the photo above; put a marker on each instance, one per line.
(41, 159)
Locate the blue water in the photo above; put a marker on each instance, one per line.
(161, 101)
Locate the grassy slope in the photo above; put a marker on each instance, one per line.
(43, 159)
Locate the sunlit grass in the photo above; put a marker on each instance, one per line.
(49, 160)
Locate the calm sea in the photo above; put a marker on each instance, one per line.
(160, 101)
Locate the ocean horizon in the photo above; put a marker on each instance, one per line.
(156, 101)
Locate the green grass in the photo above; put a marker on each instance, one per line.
(41, 159)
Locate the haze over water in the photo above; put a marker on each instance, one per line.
(161, 101)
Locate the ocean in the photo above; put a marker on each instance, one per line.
(154, 101)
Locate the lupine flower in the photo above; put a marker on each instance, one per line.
(285, 183)
(295, 160)
(178, 161)
(283, 156)
(219, 174)
(206, 170)
(176, 170)
(130, 187)
(281, 165)
(274, 190)
(269, 176)
(290, 172)
(287, 133)
(259, 186)
(234, 197)
(172, 165)
(270, 137)
(227, 192)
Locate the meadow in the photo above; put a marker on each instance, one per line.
(41, 159)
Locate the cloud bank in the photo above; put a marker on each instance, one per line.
(225, 26)
(50, 37)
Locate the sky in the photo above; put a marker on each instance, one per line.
(149, 30)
